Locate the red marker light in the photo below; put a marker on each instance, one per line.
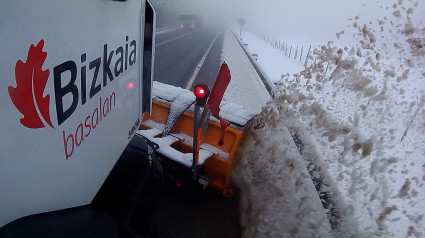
(199, 92)
(202, 92)
(130, 85)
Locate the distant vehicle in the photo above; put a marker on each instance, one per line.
(189, 22)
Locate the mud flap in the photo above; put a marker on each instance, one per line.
(85, 221)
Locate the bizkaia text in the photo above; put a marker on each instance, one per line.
(120, 59)
(65, 75)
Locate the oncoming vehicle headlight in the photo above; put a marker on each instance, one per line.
(182, 26)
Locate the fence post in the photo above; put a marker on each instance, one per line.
(306, 58)
(301, 55)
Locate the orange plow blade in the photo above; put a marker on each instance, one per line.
(216, 160)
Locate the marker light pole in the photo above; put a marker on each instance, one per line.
(202, 93)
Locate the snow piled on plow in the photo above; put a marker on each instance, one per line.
(180, 99)
(360, 103)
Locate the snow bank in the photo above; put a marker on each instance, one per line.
(361, 104)
(245, 88)
(281, 65)
(277, 196)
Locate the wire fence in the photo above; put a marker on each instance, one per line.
(297, 53)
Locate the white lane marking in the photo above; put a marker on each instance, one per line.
(195, 73)
(160, 31)
(173, 39)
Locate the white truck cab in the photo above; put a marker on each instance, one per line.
(75, 79)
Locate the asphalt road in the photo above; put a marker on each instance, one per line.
(205, 214)
(179, 55)
(184, 59)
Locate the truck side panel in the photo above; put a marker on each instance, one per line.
(70, 99)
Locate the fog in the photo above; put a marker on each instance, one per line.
(290, 19)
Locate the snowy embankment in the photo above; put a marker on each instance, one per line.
(288, 171)
(360, 102)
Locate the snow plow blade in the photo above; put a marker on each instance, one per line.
(175, 149)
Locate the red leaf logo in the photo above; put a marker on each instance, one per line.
(30, 83)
